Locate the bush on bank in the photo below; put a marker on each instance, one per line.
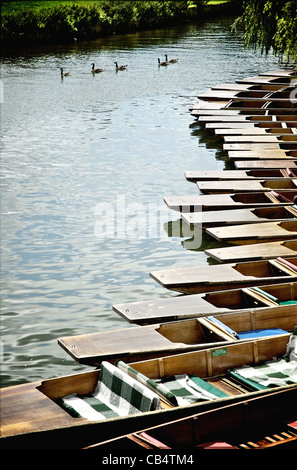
(61, 23)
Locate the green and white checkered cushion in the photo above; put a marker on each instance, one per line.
(279, 372)
(116, 394)
(271, 374)
(186, 390)
(162, 391)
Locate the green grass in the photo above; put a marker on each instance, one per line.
(7, 7)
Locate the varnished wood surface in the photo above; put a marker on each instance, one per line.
(257, 251)
(266, 164)
(249, 174)
(193, 306)
(212, 202)
(131, 344)
(252, 185)
(255, 233)
(206, 219)
(217, 277)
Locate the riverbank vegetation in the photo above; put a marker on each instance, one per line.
(45, 22)
(270, 26)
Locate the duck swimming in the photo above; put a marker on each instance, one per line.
(96, 70)
(66, 74)
(120, 67)
(170, 61)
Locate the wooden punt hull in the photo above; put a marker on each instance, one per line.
(32, 419)
(266, 79)
(217, 277)
(211, 303)
(259, 147)
(258, 251)
(292, 74)
(241, 186)
(211, 202)
(150, 341)
(243, 87)
(284, 139)
(282, 106)
(259, 423)
(246, 126)
(267, 164)
(220, 175)
(257, 132)
(263, 154)
(246, 234)
(225, 115)
(283, 94)
(240, 216)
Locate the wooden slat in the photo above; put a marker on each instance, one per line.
(254, 252)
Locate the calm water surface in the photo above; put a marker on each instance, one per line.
(86, 162)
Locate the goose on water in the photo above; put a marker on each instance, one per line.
(170, 61)
(162, 63)
(96, 70)
(64, 74)
(120, 67)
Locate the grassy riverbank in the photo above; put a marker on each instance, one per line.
(46, 22)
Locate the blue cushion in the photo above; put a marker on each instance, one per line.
(263, 332)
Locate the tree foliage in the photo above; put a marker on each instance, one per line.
(270, 25)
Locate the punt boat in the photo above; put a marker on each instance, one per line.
(282, 94)
(245, 87)
(217, 277)
(262, 154)
(282, 106)
(225, 116)
(246, 234)
(241, 186)
(267, 79)
(292, 74)
(255, 251)
(281, 297)
(266, 125)
(267, 422)
(260, 146)
(264, 138)
(213, 202)
(219, 175)
(256, 216)
(256, 131)
(147, 342)
(265, 164)
(52, 413)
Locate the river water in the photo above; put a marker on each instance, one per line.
(85, 164)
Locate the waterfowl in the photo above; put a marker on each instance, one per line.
(170, 61)
(96, 70)
(162, 63)
(120, 67)
(64, 74)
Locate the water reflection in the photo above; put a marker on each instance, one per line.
(69, 145)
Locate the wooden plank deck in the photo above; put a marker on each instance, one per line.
(213, 202)
(239, 216)
(240, 186)
(269, 164)
(257, 251)
(221, 175)
(263, 154)
(255, 233)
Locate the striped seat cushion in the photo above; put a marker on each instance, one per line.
(272, 374)
(177, 390)
(116, 394)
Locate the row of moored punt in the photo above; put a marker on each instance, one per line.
(215, 367)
